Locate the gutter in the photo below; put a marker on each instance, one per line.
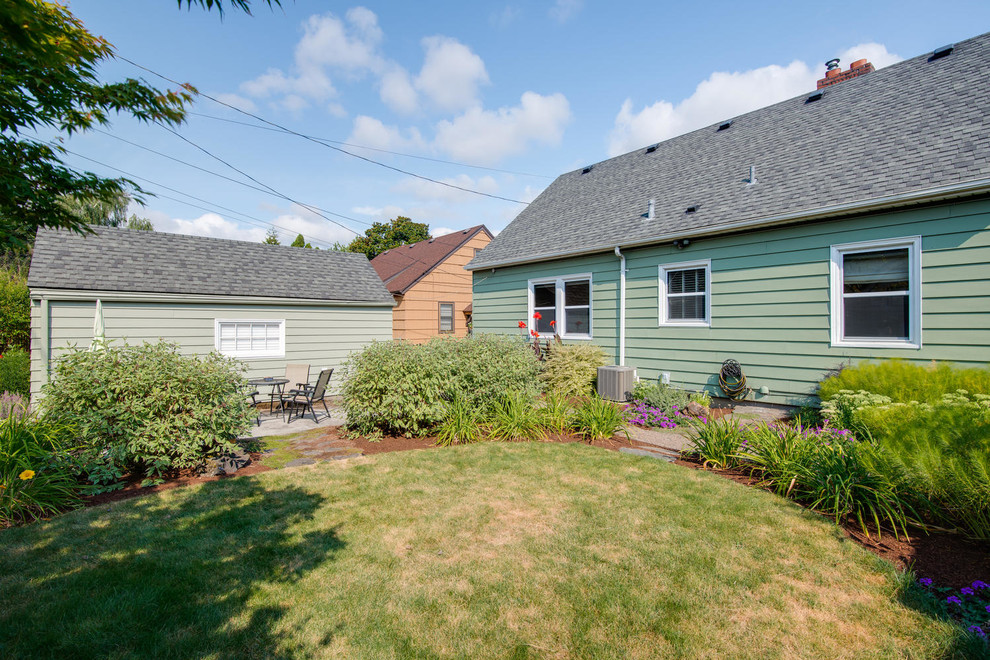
(46, 294)
(956, 190)
(622, 306)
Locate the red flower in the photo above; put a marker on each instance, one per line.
(553, 323)
(537, 316)
(534, 333)
(522, 324)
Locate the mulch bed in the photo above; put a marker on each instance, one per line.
(132, 486)
(949, 559)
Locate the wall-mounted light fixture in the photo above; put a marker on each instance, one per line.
(682, 243)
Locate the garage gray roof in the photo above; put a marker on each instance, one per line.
(125, 260)
(910, 127)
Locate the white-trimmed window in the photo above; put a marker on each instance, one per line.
(446, 317)
(248, 338)
(876, 293)
(685, 293)
(564, 306)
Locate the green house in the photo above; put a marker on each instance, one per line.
(267, 305)
(849, 223)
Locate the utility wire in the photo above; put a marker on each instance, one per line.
(265, 185)
(214, 205)
(362, 146)
(329, 146)
(264, 189)
(217, 174)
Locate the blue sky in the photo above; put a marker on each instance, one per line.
(522, 89)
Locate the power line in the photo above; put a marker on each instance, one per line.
(265, 185)
(362, 146)
(215, 206)
(328, 146)
(263, 188)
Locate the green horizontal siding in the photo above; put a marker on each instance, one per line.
(321, 336)
(770, 300)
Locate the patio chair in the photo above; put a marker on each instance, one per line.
(298, 377)
(306, 396)
(251, 393)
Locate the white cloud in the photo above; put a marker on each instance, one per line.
(397, 91)
(238, 101)
(503, 18)
(441, 231)
(292, 221)
(328, 44)
(429, 191)
(380, 213)
(723, 96)
(486, 136)
(208, 224)
(564, 10)
(876, 53)
(337, 110)
(451, 74)
(371, 132)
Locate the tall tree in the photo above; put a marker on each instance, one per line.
(48, 80)
(141, 224)
(300, 242)
(385, 236)
(272, 237)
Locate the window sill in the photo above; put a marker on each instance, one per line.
(865, 343)
(550, 335)
(685, 324)
(270, 356)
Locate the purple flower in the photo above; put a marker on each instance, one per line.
(925, 582)
(988, 608)
(980, 584)
(953, 599)
(977, 630)
(967, 591)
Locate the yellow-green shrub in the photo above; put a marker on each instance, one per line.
(571, 369)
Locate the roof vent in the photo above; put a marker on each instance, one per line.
(939, 53)
(815, 96)
(725, 125)
(587, 169)
(653, 147)
(651, 210)
(432, 239)
(693, 209)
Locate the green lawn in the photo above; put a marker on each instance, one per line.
(492, 550)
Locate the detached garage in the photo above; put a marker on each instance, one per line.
(267, 305)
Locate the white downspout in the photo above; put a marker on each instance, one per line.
(622, 306)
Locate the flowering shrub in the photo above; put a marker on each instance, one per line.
(36, 471)
(147, 408)
(643, 414)
(664, 398)
(970, 606)
(12, 404)
(904, 381)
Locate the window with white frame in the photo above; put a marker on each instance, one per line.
(446, 317)
(563, 305)
(250, 338)
(685, 293)
(876, 293)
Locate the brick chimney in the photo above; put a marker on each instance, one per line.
(834, 74)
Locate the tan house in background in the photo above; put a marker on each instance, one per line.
(431, 288)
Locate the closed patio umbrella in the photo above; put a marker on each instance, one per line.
(99, 331)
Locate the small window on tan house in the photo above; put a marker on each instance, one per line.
(446, 317)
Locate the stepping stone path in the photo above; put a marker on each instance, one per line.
(321, 448)
(659, 454)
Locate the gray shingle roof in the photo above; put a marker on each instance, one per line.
(909, 127)
(132, 261)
